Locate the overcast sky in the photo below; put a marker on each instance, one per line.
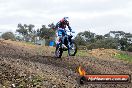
(98, 16)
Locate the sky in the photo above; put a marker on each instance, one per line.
(98, 16)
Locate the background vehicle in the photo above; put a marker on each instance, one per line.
(70, 44)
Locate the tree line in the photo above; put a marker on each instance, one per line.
(113, 39)
(28, 33)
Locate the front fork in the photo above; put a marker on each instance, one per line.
(66, 40)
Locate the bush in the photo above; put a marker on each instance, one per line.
(82, 47)
(80, 41)
(105, 43)
(8, 35)
(129, 48)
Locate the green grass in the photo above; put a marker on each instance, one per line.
(124, 57)
(82, 53)
(29, 43)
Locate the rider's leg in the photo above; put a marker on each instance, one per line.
(61, 40)
(64, 39)
(61, 34)
(61, 37)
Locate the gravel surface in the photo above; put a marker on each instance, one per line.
(22, 66)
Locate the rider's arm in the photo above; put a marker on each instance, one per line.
(68, 26)
(57, 25)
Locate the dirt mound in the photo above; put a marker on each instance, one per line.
(25, 48)
(103, 53)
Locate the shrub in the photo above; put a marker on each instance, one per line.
(129, 48)
(8, 35)
(105, 43)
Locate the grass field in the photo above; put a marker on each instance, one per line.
(124, 57)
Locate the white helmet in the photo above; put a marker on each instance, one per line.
(66, 18)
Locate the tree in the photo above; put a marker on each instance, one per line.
(99, 37)
(26, 31)
(86, 37)
(107, 35)
(8, 35)
(113, 39)
(45, 33)
(79, 40)
(129, 48)
(124, 44)
(109, 43)
(22, 29)
(124, 39)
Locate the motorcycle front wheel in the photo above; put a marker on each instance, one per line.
(58, 51)
(72, 49)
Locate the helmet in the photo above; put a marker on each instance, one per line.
(66, 18)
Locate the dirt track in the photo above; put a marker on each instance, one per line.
(19, 66)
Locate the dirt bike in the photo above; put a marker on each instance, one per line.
(69, 43)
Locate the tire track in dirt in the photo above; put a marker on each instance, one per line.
(63, 64)
(55, 75)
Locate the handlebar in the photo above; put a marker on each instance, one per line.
(71, 31)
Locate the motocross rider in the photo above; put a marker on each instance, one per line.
(61, 30)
